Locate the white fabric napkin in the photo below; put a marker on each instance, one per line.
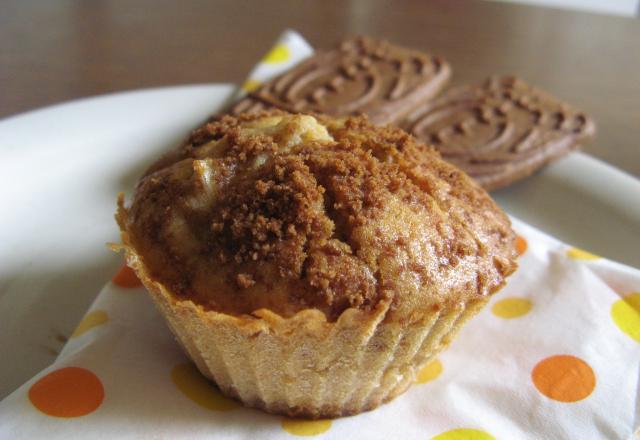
(554, 355)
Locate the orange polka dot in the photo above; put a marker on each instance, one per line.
(126, 278)
(67, 392)
(521, 245)
(564, 378)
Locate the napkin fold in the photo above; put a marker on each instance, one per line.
(554, 355)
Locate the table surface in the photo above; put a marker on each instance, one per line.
(67, 49)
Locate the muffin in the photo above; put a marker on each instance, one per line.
(312, 266)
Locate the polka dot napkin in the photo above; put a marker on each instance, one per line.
(554, 355)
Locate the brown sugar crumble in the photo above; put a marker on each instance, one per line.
(288, 212)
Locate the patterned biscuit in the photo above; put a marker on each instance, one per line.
(361, 75)
(500, 131)
(248, 104)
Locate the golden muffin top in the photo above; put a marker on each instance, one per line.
(290, 212)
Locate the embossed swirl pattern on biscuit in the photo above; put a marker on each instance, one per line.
(358, 77)
(503, 121)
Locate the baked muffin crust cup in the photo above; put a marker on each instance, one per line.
(349, 328)
(305, 366)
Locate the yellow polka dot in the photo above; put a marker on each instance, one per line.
(626, 314)
(250, 85)
(305, 428)
(90, 320)
(278, 54)
(511, 307)
(464, 434)
(193, 385)
(430, 372)
(579, 254)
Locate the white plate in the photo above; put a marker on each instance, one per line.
(61, 168)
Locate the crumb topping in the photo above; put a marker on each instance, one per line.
(288, 212)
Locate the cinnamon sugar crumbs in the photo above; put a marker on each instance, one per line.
(329, 222)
